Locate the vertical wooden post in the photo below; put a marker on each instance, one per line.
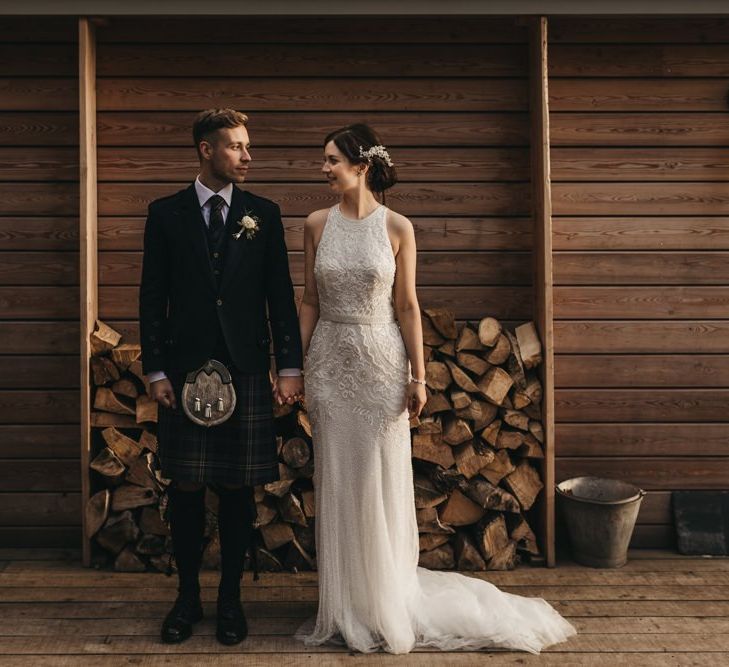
(542, 256)
(87, 241)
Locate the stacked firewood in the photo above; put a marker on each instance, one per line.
(475, 444)
(286, 512)
(474, 448)
(123, 513)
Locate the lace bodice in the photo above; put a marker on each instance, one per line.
(356, 359)
(355, 269)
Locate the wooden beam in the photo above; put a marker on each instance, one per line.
(542, 253)
(87, 241)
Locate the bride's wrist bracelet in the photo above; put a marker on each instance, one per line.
(416, 381)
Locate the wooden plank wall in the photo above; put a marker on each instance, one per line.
(39, 332)
(449, 98)
(640, 133)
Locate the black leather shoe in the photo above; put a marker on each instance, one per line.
(232, 627)
(177, 626)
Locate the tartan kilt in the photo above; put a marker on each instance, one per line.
(241, 450)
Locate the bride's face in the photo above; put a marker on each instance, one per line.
(341, 174)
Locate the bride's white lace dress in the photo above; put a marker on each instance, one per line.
(372, 594)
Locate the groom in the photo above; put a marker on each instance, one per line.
(208, 280)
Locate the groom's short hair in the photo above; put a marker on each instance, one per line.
(209, 121)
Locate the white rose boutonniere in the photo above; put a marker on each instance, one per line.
(248, 225)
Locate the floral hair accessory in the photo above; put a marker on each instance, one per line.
(379, 151)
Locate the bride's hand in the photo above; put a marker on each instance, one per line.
(415, 398)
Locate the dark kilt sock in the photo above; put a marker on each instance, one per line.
(187, 526)
(236, 513)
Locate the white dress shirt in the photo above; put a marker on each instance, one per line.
(204, 193)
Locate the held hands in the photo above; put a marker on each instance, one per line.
(288, 389)
(415, 399)
(162, 392)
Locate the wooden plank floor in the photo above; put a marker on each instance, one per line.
(660, 609)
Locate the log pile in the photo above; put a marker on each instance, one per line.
(476, 442)
(123, 516)
(475, 449)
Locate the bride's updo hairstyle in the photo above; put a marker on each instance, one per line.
(381, 174)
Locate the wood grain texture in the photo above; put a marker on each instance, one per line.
(41, 475)
(628, 439)
(88, 250)
(639, 60)
(39, 199)
(39, 372)
(40, 509)
(641, 268)
(40, 302)
(295, 164)
(600, 232)
(705, 164)
(640, 198)
(38, 233)
(39, 441)
(640, 302)
(638, 405)
(660, 336)
(37, 128)
(695, 94)
(542, 270)
(288, 94)
(39, 173)
(50, 337)
(49, 163)
(39, 93)
(637, 370)
(39, 268)
(273, 128)
(311, 60)
(626, 128)
(651, 473)
(42, 406)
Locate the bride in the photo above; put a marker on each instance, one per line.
(364, 377)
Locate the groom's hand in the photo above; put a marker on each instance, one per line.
(289, 389)
(162, 392)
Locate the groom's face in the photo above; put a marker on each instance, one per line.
(226, 154)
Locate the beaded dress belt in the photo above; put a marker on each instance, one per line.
(355, 319)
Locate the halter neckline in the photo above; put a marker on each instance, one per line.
(357, 220)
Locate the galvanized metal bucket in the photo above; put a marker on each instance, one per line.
(600, 515)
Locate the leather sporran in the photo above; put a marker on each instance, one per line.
(208, 395)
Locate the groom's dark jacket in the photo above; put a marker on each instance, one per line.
(185, 306)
